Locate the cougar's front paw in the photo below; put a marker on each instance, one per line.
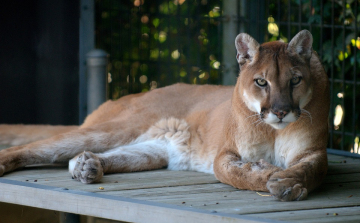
(86, 167)
(286, 189)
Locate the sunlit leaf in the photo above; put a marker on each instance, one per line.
(156, 22)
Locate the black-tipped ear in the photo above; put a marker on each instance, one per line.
(246, 47)
(302, 44)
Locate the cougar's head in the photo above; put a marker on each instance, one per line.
(275, 79)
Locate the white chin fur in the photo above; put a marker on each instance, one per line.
(279, 125)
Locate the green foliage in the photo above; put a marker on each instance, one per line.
(177, 41)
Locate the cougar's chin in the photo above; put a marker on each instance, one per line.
(279, 125)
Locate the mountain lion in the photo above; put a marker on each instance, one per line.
(266, 133)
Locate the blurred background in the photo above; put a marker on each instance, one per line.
(155, 43)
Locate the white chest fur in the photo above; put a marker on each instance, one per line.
(288, 146)
(280, 151)
(253, 152)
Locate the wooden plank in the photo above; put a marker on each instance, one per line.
(246, 202)
(178, 190)
(343, 178)
(343, 168)
(198, 189)
(125, 181)
(92, 204)
(184, 190)
(347, 214)
(51, 172)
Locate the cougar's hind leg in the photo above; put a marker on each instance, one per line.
(61, 148)
(164, 144)
(88, 167)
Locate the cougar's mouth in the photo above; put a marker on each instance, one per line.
(279, 123)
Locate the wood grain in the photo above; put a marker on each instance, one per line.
(157, 196)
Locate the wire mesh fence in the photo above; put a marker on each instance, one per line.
(157, 43)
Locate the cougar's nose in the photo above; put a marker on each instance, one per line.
(280, 113)
(281, 107)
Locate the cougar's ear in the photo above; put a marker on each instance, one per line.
(246, 47)
(302, 44)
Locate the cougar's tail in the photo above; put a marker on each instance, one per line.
(14, 135)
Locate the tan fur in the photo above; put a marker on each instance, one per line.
(15, 135)
(268, 138)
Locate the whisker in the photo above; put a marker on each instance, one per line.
(256, 114)
(261, 122)
(257, 121)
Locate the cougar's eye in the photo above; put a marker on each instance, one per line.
(261, 82)
(295, 80)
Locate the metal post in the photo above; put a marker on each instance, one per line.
(86, 43)
(96, 64)
(230, 66)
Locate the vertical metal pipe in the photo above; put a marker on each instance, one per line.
(278, 18)
(86, 43)
(248, 15)
(178, 44)
(300, 15)
(311, 14)
(219, 48)
(354, 77)
(332, 77)
(230, 67)
(343, 78)
(321, 29)
(188, 42)
(130, 58)
(258, 37)
(96, 63)
(289, 19)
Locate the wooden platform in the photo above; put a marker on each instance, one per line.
(177, 196)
